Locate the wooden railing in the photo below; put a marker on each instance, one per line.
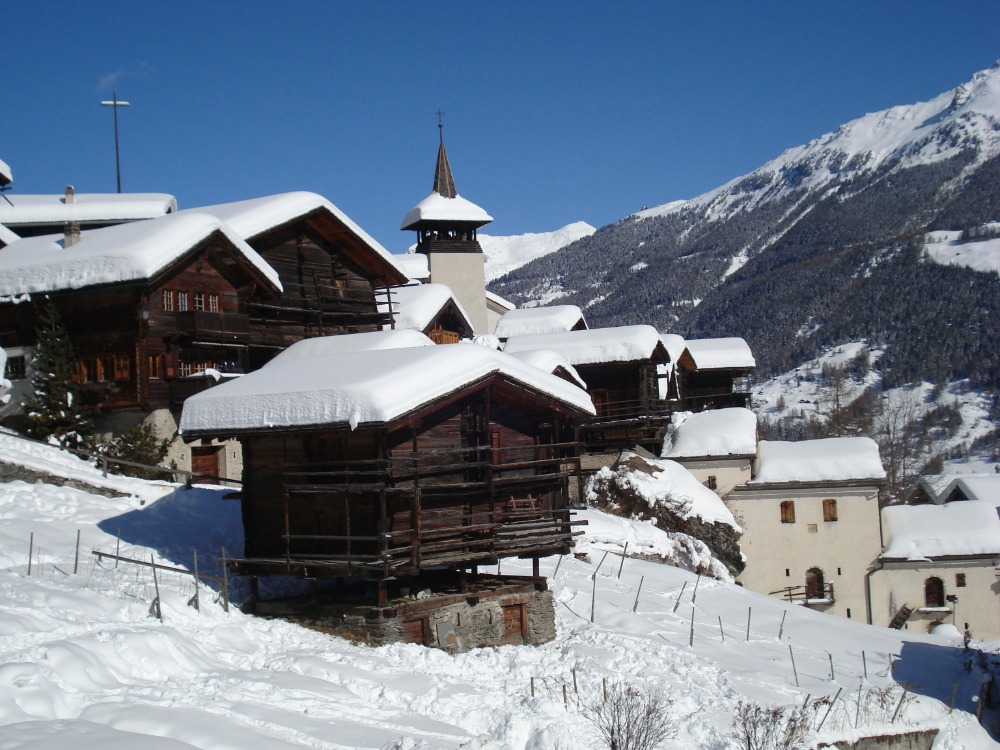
(807, 596)
(213, 324)
(439, 508)
(631, 410)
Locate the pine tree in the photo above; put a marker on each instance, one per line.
(54, 409)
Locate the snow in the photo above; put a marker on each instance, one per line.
(417, 305)
(947, 249)
(5, 173)
(721, 432)
(922, 532)
(549, 361)
(532, 320)
(675, 486)
(711, 354)
(839, 459)
(325, 346)
(983, 488)
(136, 251)
(499, 301)
(414, 265)
(506, 254)
(83, 665)
(436, 207)
(597, 345)
(358, 388)
(7, 236)
(253, 217)
(85, 208)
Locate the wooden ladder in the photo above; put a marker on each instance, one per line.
(901, 617)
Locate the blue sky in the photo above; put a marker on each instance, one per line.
(554, 111)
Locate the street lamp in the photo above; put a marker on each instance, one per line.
(115, 104)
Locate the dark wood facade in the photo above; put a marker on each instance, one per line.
(629, 409)
(332, 284)
(716, 388)
(137, 343)
(468, 480)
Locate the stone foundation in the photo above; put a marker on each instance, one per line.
(494, 611)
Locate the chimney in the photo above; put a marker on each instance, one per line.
(72, 231)
(69, 195)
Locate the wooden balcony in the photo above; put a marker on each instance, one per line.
(412, 512)
(213, 326)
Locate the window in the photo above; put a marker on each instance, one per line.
(830, 510)
(182, 301)
(814, 584)
(184, 368)
(812, 528)
(199, 300)
(123, 367)
(168, 300)
(960, 580)
(934, 592)
(788, 511)
(17, 368)
(155, 365)
(712, 482)
(105, 368)
(213, 303)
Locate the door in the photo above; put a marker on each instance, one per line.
(205, 460)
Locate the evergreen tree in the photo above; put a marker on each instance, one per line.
(54, 408)
(139, 445)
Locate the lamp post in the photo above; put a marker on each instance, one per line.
(115, 104)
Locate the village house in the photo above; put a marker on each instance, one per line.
(939, 566)
(496, 308)
(35, 215)
(810, 517)
(333, 274)
(711, 373)
(718, 447)
(347, 475)
(619, 366)
(431, 309)
(531, 320)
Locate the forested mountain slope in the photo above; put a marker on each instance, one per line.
(823, 245)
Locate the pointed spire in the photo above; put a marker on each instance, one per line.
(444, 182)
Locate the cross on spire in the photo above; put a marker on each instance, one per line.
(440, 124)
(444, 183)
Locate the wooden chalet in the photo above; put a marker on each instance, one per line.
(333, 273)
(431, 309)
(385, 466)
(619, 366)
(147, 305)
(712, 374)
(531, 320)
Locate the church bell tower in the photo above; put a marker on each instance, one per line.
(446, 225)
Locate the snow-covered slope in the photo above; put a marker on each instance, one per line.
(84, 665)
(504, 254)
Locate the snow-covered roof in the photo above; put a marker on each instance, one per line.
(123, 252)
(436, 207)
(86, 208)
(417, 305)
(979, 487)
(414, 265)
(720, 432)
(674, 344)
(253, 217)
(920, 532)
(550, 361)
(498, 301)
(353, 342)
(597, 345)
(711, 354)
(531, 320)
(673, 484)
(365, 387)
(7, 236)
(5, 174)
(839, 459)
(935, 485)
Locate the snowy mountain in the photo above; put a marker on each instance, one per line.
(85, 663)
(506, 254)
(821, 246)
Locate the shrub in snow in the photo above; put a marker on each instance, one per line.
(139, 445)
(54, 408)
(757, 727)
(626, 718)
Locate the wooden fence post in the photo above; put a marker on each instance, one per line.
(624, 552)
(157, 607)
(794, 670)
(31, 551)
(76, 555)
(636, 604)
